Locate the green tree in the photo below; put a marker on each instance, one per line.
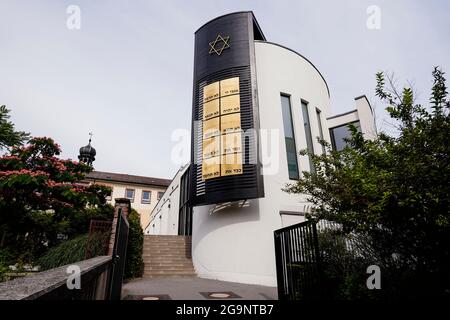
(43, 197)
(9, 137)
(394, 191)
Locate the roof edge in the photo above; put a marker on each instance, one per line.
(115, 177)
(342, 114)
(302, 56)
(229, 14)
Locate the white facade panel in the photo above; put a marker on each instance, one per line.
(237, 244)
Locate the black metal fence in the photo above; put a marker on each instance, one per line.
(298, 262)
(100, 277)
(53, 284)
(99, 231)
(119, 255)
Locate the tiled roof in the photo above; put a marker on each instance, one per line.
(127, 178)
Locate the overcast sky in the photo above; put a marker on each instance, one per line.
(127, 73)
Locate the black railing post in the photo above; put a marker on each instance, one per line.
(118, 247)
(279, 265)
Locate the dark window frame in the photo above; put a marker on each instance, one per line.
(185, 208)
(320, 127)
(134, 194)
(308, 132)
(149, 198)
(297, 167)
(333, 141)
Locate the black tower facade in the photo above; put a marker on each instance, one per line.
(225, 159)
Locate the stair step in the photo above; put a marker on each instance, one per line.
(167, 256)
(166, 247)
(169, 267)
(168, 261)
(163, 273)
(176, 264)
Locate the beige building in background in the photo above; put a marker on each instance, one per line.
(143, 192)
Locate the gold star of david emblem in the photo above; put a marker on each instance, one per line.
(218, 45)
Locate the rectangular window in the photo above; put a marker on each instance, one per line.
(146, 196)
(338, 134)
(109, 196)
(160, 195)
(309, 140)
(291, 150)
(319, 124)
(129, 194)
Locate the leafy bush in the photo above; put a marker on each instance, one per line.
(7, 257)
(394, 191)
(344, 265)
(3, 271)
(134, 265)
(73, 250)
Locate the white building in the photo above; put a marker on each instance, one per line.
(165, 216)
(233, 241)
(143, 192)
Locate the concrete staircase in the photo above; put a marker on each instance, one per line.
(167, 256)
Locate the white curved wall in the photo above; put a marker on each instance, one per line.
(236, 244)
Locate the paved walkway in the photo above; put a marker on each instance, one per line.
(193, 288)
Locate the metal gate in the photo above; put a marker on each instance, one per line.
(119, 255)
(298, 262)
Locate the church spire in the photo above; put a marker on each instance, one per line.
(87, 153)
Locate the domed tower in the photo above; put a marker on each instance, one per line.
(87, 153)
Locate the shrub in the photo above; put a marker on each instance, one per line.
(73, 250)
(344, 259)
(3, 271)
(134, 265)
(7, 257)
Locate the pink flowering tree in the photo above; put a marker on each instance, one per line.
(43, 197)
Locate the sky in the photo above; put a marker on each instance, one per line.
(126, 74)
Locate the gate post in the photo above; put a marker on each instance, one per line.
(118, 247)
(125, 205)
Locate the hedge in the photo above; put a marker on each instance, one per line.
(134, 264)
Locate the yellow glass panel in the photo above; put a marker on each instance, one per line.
(231, 143)
(211, 109)
(211, 91)
(211, 147)
(230, 123)
(231, 164)
(211, 168)
(211, 128)
(229, 86)
(230, 104)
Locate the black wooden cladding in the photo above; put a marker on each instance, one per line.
(236, 61)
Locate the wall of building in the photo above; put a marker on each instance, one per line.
(363, 113)
(366, 117)
(144, 209)
(164, 216)
(236, 243)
